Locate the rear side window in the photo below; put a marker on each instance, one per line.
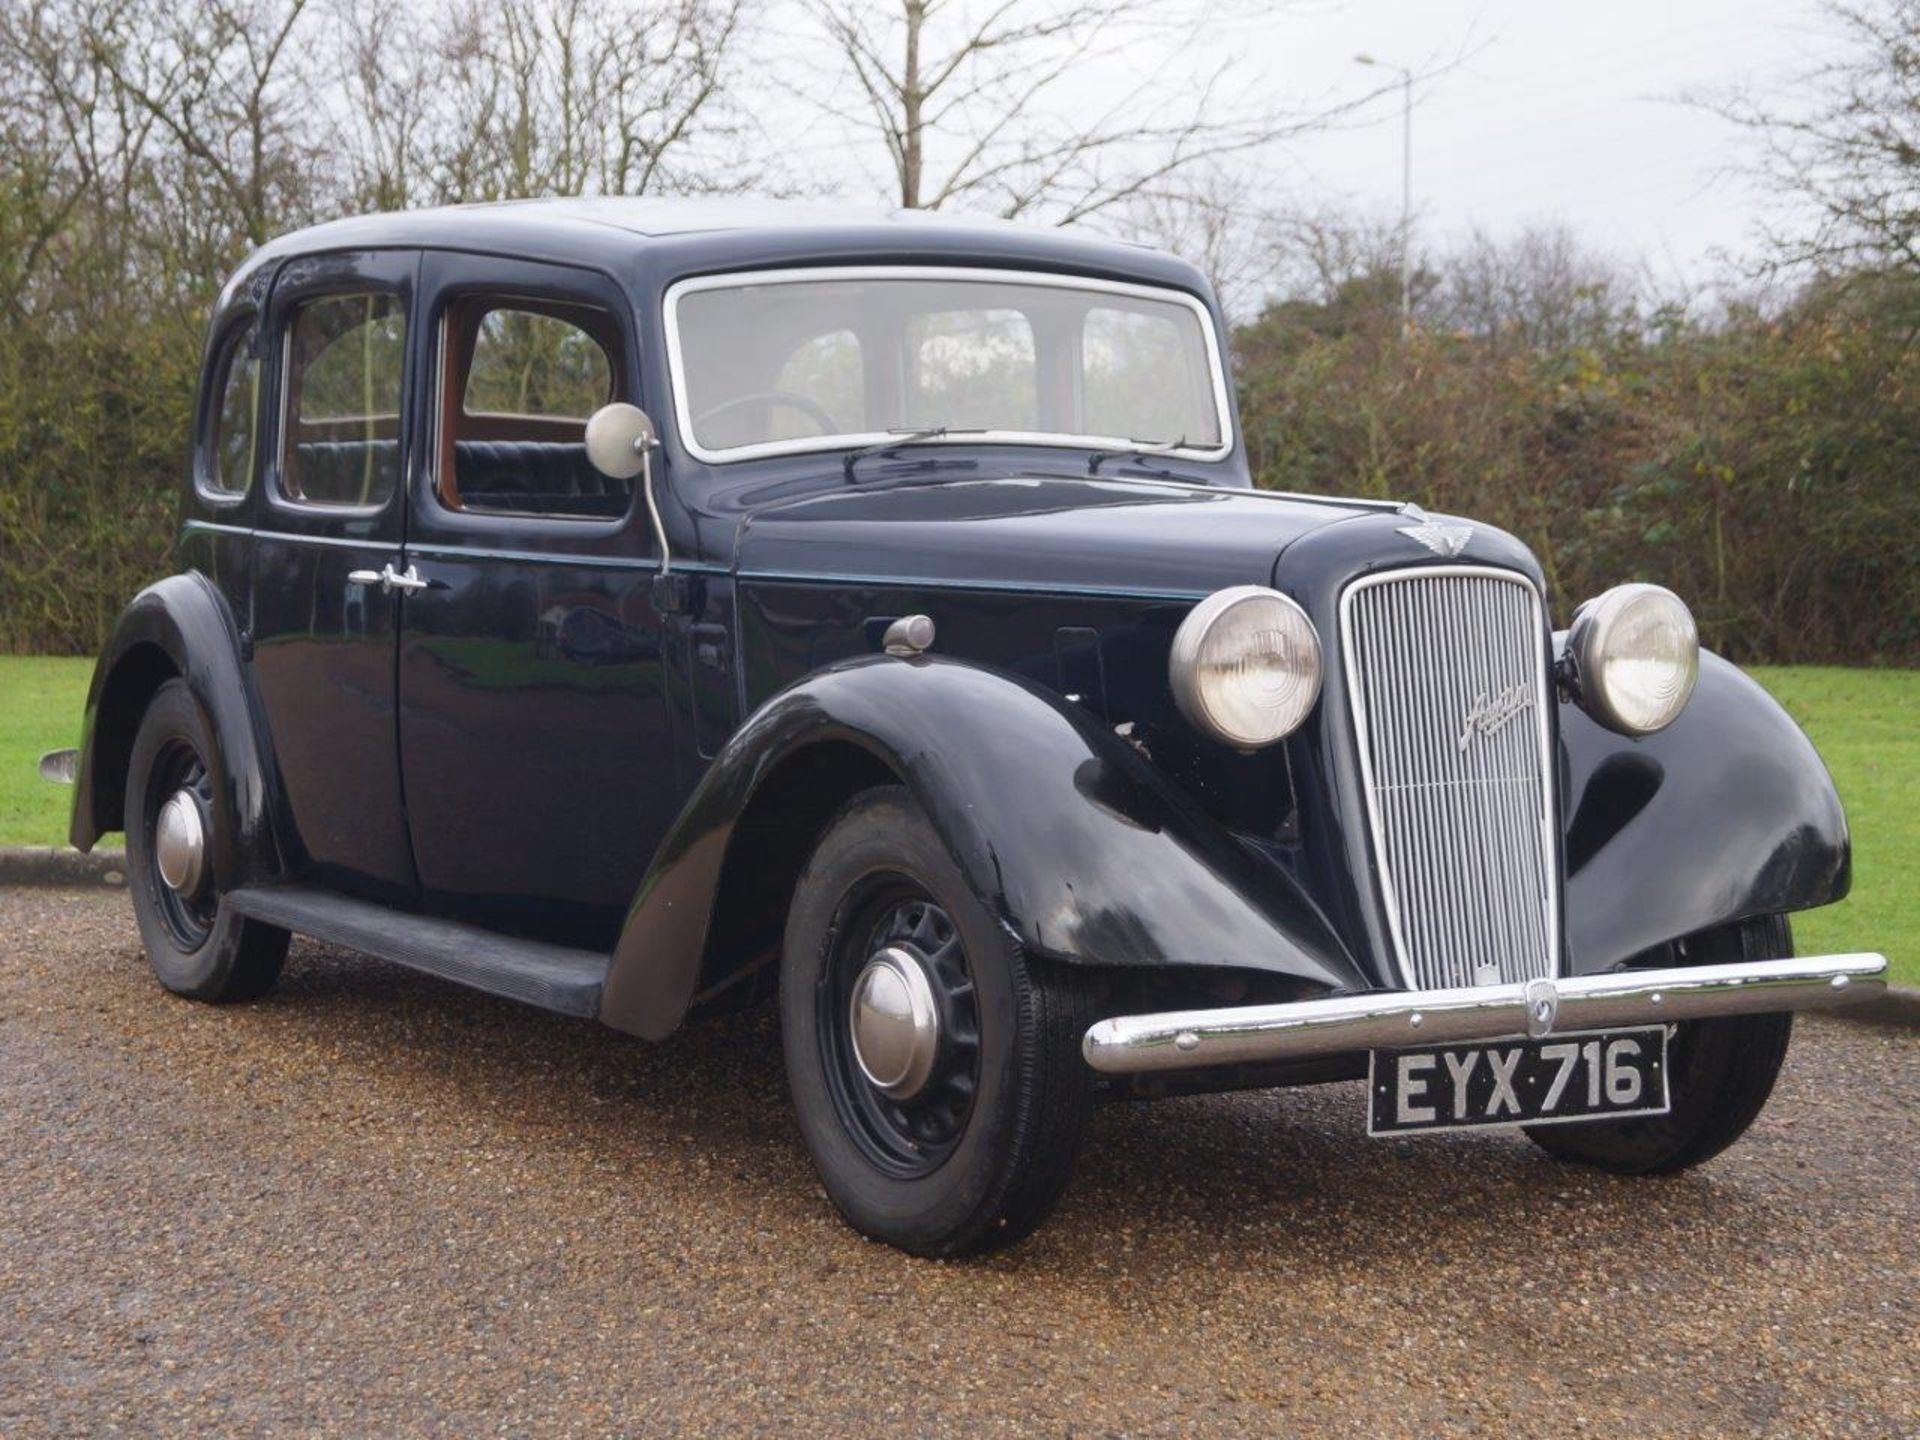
(346, 364)
(228, 470)
(521, 378)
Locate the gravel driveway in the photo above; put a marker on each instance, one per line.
(378, 1204)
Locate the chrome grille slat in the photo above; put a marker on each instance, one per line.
(1463, 837)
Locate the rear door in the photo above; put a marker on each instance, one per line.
(339, 337)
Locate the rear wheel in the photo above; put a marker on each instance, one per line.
(1720, 1073)
(177, 822)
(935, 1067)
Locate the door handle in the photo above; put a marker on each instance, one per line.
(389, 579)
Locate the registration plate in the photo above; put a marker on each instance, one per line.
(1598, 1075)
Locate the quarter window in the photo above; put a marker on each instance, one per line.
(346, 365)
(228, 470)
(521, 379)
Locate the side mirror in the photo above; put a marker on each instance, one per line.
(620, 445)
(618, 439)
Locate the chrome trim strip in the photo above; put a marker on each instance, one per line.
(920, 582)
(293, 537)
(639, 564)
(734, 280)
(1191, 1039)
(1363, 743)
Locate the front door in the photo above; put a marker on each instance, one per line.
(533, 724)
(324, 625)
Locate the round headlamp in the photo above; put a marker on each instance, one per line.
(1246, 666)
(1636, 655)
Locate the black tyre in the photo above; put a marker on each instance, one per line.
(1720, 1073)
(197, 946)
(949, 1145)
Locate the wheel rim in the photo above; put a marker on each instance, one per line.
(899, 1027)
(179, 809)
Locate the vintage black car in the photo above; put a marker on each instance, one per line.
(642, 608)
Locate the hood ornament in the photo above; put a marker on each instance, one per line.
(1443, 537)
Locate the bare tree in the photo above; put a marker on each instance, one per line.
(75, 150)
(1208, 219)
(1843, 140)
(540, 97)
(991, 105)
(223, 79)
(1540, 290)
(391, 76)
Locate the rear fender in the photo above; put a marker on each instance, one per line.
(181, 626)
(1082, 850)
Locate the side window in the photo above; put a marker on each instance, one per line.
(346, 363)
(520, 379)
(227, 471)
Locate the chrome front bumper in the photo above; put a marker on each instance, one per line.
(1385, 1020)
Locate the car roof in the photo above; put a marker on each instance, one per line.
(688, 234)
(650, 216)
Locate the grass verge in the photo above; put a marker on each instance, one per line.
(1865, 727)
(41, 700)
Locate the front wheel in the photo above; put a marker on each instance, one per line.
(1720, 1073)
(935, 1067)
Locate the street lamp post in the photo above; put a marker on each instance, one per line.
(1406, 183)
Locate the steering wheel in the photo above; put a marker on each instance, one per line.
(770, 398)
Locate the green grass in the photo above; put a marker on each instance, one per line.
(1866, 723)
(41, 701)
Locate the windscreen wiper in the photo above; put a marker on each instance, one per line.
(1134, 450)
(900, 439)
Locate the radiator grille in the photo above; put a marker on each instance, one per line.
(1446, 669)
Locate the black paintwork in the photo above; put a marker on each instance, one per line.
(1079, 847)
(560, 748)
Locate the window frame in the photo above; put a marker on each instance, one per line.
(286, 328)
(222, 353)
(443, 402)
(739, 279)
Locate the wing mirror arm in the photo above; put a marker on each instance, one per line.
(621, 439)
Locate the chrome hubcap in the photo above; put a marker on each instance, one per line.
(895, 1023)
(180, 843)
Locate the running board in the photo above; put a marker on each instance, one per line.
(552, 977)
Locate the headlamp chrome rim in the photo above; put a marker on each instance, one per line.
(1183, 666)
(1591, 645)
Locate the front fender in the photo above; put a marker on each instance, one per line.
(1078, 846)
(1726, 814)
(180, 626)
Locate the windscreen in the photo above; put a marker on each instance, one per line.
(810, 363)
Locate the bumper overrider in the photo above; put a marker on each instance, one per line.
(1385, 1020)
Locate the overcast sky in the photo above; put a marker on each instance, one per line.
(1564, 111)
(1560, 111)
